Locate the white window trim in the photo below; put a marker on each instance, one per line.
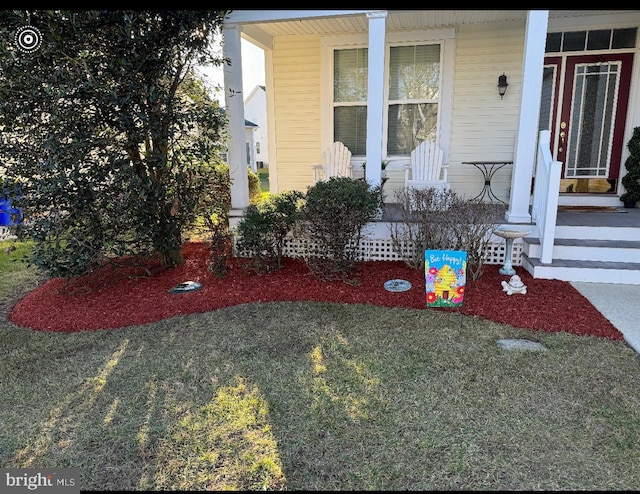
(446, 39)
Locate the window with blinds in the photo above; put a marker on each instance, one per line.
(350, 72)
(414, 88)
(413, 94)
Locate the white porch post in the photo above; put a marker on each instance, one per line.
(234, 108)
(525, 149)
(375, 96)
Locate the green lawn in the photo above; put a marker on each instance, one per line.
(263, 173)
(318, 396)
(15, 274)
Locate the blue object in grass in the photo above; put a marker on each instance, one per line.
(8, 214)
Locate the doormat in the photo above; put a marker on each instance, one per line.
(592, 209)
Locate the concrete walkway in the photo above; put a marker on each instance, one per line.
(617, 302)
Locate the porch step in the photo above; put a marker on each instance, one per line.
(586, 199)
(588, 250)
(626, 273)
(599, 254)
(598, 232)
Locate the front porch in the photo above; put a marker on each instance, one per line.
(377, 245)
(598, 246)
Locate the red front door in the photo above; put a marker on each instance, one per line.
(586, 99)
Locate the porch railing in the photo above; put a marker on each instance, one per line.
(544, 211)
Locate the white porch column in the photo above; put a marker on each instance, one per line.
(375, 96)
(526, 139)
(234, 108)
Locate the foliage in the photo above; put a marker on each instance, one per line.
(255, 190)
(102, 144)
(472, 225)
(213, 222)
(215, 201)
(383, 164)
(631, 181)
(334, 214)
(443, 220)
(419, 229)
(263, 174)
(264, 227)
(221, 244)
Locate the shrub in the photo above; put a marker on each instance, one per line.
(442, 220)
(103, 137)
(221, 245)
(422, 225)
(476, 221)
(264, 227)
(255, 192)
(631, 181)
(334, 213)
(213, 223)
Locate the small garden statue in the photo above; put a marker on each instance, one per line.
(515, 285)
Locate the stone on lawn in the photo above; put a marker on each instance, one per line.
(521, 344)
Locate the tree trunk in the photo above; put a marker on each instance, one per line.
(172, 257)
(168, 241)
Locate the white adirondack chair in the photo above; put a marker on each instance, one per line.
(426, 168)
(336, 162)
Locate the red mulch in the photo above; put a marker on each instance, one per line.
(110, 298)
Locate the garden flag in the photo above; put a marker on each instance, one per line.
(445, 272)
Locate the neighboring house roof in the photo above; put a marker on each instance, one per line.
(253, 92)
(247, 123)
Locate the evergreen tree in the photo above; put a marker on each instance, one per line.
(107, 151)
(631, 181)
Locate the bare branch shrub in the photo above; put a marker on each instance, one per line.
(442, 220)
(476, 221)
(424, 212)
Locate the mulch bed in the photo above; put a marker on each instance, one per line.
(112, 298)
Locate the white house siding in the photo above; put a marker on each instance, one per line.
(484, 126)
(255, 110)
(296, 75)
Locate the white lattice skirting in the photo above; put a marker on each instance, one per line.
(376, 245)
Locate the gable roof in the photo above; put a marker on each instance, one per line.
(254, 91)
(247, 123)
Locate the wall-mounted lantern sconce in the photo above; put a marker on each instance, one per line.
(502, 85)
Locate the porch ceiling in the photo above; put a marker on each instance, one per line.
(397, 20)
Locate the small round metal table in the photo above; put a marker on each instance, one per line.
(488, 169)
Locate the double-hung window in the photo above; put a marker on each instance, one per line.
(350, 70)
(414, 90)
(412, 97)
